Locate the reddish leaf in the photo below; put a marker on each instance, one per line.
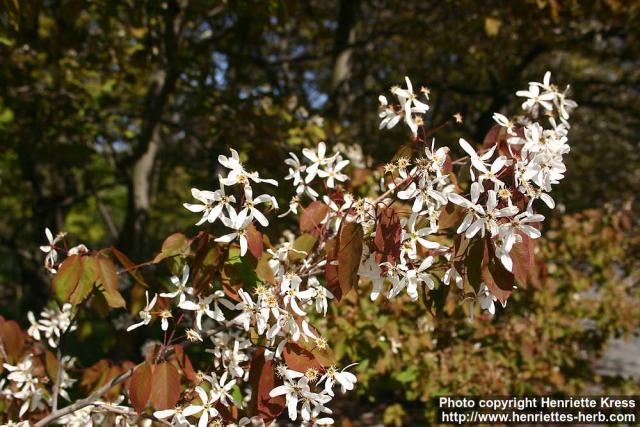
(498, 279)
(206, 262)
(115, 391)
(359, 177)
(498, 135)
(129, 266)
(108, 278)
(349, 253)
(331, 270)
(165, 386)
(388, 235)
(254, 239)
(312, 216)
(185, 363)
(468, 258)
(67, 278)
(263, 379)
(176, 244)
(126, 365)
(140, 387)
(12, 339)
(300, 359)
(524, 263)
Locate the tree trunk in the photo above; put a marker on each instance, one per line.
(342, 56)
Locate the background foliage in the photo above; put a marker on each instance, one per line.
(111, 111)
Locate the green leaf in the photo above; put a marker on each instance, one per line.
(66, 280)
(176, 244)
(407, 375)
(304, 243)
(88, 276)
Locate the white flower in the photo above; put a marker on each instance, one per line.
(389, 117)
(535, 98)
(201, 308)
(493, 171)
(250, 311)
(295, 169)
(371, 270)
(181, 286)
(213, 203)
(486, 218)
(318, 159)
(78, 250)
(145, 314)
(52, 323)
(397, 275)
(34, 329)
(220, 389)
(293, 391)
(477, 161)
(419, 275)
(452, 274)
(504, 122)
(332, 173)
(52, 255)
(165, 315)
(176, 414)
(250, 211)
(293, 293)
(240, 228)
(237, 173)
(413, 236)
(206, 408)
(332, 376)
(410, 104)
(486, 299)
(207, 198)
(321, 295)
(294, 204)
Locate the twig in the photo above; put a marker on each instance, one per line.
(56, 386)
(91, 400)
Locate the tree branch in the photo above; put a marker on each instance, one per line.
(91, 399)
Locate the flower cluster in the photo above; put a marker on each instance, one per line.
(531, 163)
(52, 325)
(410, 108)
(218, 205)
(318, 164)
(52, 250)
(28, 385)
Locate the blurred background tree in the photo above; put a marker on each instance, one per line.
(111, 111)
